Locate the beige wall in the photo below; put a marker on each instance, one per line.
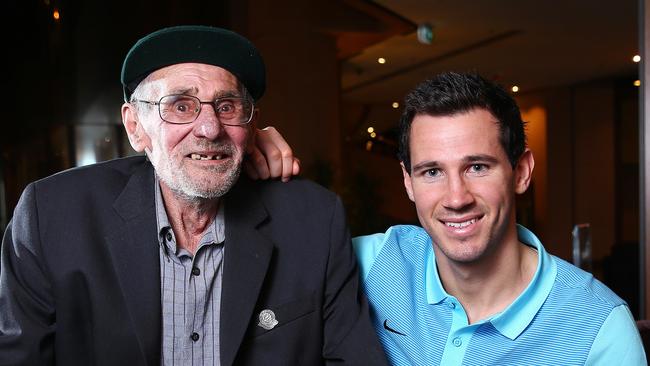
(575, 159)
(560, 162)
(535, 118)
(594, 165)
(302, 96)
(379, 169)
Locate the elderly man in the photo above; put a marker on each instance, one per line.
(173, 259)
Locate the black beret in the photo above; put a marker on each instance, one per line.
(195, 43)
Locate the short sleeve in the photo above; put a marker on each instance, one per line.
(618, 341)
(366, 248)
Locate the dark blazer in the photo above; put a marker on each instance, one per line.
(80, 274)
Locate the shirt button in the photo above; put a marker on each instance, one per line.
(196, 271)
(456, 342)
(451, 305)
(169, 236)
(195, 336)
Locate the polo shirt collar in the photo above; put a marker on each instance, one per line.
(515, 318)
(435, 292)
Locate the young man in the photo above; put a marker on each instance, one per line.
(174, 259)
(471, 287)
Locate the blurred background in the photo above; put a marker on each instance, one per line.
(337, 74)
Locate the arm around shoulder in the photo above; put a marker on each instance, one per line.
(618, 342)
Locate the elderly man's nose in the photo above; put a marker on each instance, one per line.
(207, 123)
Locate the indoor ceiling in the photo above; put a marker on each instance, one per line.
(531, 44)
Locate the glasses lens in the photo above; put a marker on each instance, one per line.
(179, 108)
(233, 111)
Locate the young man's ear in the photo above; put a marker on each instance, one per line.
(524, 171)
(137, 136)
(407, 182)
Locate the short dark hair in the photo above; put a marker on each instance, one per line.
(452, 93)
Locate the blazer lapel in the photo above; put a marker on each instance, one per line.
(247, 256)
(135, 254)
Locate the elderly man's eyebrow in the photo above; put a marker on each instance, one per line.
(227, 94)
(185, 91)
(194, 91)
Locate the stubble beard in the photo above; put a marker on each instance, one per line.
(175, 176)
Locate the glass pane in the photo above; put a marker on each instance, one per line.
(94, 143)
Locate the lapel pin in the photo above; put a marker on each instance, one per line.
(267, 319)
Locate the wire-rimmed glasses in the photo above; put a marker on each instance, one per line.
(183, 109)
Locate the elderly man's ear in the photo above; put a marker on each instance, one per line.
(137, 135)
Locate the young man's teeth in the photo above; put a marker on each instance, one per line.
(460, 225)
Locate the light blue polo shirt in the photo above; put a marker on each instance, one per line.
(564, 316)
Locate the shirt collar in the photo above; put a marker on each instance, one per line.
(215, 233)
(435, 292)
(516, 317)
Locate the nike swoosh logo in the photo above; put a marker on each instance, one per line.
(391, 329)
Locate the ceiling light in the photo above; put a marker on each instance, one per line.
(56, 14)
(395, 105)
(425, 33)
(636, 58)
(371, 129)
(373, 135)
(381, 60)
(637, 82)
(515, 89)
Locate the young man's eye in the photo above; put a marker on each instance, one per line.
(432, 172)
(478, 168)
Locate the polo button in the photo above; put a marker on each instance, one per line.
(457, 342)
(196, 271)
(169, 236)
(195, 336)
(451, 305)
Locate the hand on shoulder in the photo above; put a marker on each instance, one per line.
(270, 156)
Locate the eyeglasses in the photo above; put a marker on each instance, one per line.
(183, 109)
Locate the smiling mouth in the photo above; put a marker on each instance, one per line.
(460, 225)
(456, 224)
(207, 157)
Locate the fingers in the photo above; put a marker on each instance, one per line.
(287, 165)
(278, 153)
(295, 166)
(271, 157)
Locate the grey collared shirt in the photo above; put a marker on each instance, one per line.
(190, 292)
